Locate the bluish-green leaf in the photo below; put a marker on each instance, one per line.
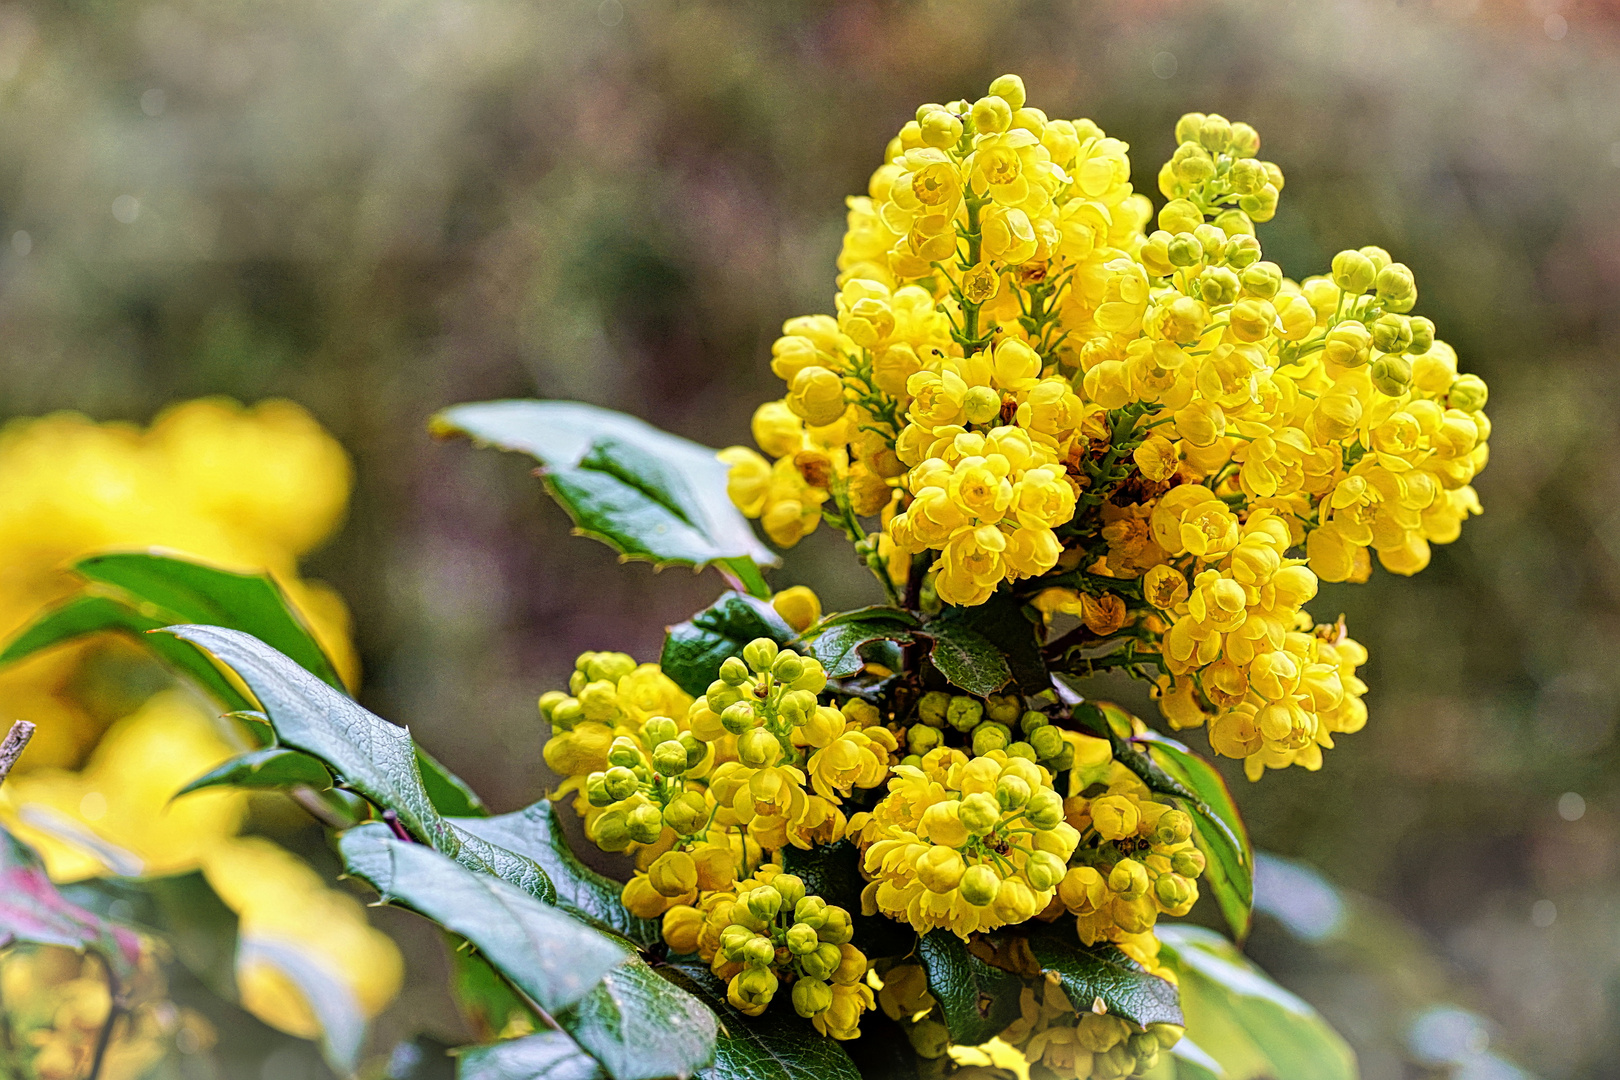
(642, 1027)
(978, 999)
(695, 649)
(1254, 1028)
(1101, 972)
(550, 1055)
(276, 767)
(644, 492)
(966, 657)
(777, 1045)
(1217, 829)
(1012, 630)
(536, 833)
(836, 642)
(551, 956)
(372, 756)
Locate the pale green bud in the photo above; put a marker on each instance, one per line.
(990, 736)
(821, 963)
(1021, 750)
(811, 996)
(991, 114)
(1348, 344)
(1188, 862)
(759, 952)
(1218, 286)
(625, 752)
(1468, 393)
(940, 129)
(760, 654)
(980, 813)
(920, 738)
(787, 666)
(620, 782)
(1012, 792)
(1184, 250)
(811, 911)
(1044, 870)
(646, 823)
(1263, 279)
(1392, 375)
(1010, 88)
(1422, 335)
(801, 939)
(1391, 333)
(981, 404)
(764, 902)
(790, 887)
(980, 885)
(1128, 878)
(733, 940)
(596, 790)
(758, 748)
(964, 713)
(669, 758)
(733, 671)
(1243, 249)
(838, 928)
(1047, 742)
(1044, 809)
(1173, 827)
(738, 717)
(932, 708)
(659, 729)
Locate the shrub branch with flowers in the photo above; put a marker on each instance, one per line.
(1068, 435)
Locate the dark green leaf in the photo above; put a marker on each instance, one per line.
(33, 910)
(837, 645)
(695, 649)
(966, 658)
(1102, 972)
(276, 767)
(777, 1045)
(1008, 625)
(95, 614)
(372, 756)
(644, 492)
(833, 872)
(187, 591)
(641, 1027)
(978, 999)
(1217, 830)
(1240, 1018)
(550, 956)
(747, 574)
(536, 833)
(876, 613)
(550, 1055)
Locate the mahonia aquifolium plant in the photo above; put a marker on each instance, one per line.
(1031, 397)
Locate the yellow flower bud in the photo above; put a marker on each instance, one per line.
(1180, 216)
(979, 885)
(991, 114)
(1128, 878)
(1009, 88)
(816, 395)
(682, 926)
(940, 869)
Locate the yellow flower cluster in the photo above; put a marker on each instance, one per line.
(1041, 387)
(251, 489)
(1073, 1045)
(58, 1001)
(1135, 861)
(967, 844)
(766, 931)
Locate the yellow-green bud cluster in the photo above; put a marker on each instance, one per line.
(999, 722)
(1062, 1043)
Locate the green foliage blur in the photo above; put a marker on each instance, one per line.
(379, 210)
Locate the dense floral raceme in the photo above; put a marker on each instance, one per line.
(1039, 386)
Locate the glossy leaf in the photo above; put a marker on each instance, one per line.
(485, 1000)
(1102, 973)
(837, 641)
(644, 492)
(550, 956)
(978, 999)
(33, 910)
(695, 649)
(536, 833)
(777, 1045)
(275, 767)
(966, 658)
(642, 1027)
(372, 756)
(1007, 625)
(550, 1055)
(1235, 1014)
(1217, 830)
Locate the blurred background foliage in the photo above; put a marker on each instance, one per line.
(377, 210)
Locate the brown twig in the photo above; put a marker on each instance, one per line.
(115, 1012)
(15, 743)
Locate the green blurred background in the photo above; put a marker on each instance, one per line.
(378, 210)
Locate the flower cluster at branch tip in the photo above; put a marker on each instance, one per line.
(1039, 386)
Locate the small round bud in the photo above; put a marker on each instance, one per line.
(1245, 140)
(1218, 286)
(1064, 761)
(939, 129)
(734, 671)
(1012, 792)
(1003, 708)
(1215, 133)
(758, 748)
(751, 990)
(811, 996)
(673, 874)
(646, 824)
(929, 1038)
(1392, 375)
(932, 708)
(814, 679)
(802, 939)
(687, 814)
(596, 790)
(1262, 204)
(659, 729)
(1396, 287)
(980, 813)
(1044, 809)
(1243, 249)
(990, 736)
(695, 750)
(811, 911)
(1247, 176)
(1191, 164)
(1044, 870)
(981, 404)
(991, 114)
(1020, 750)
(1010, 88)
(549, 701)
(759, 952)
(790, 887)
(964, 713)
(1173, 827)
(1189, 127)
(1173, 890)
(760, 654)
(567, 713)
(1184, 250)
(1468, 393)
(763, 902)
(1188, 862)
(720, 694)
(624, 752)
(1128, 878)
(1353, 272)
(738, 718)
(611, 831)
(1422, 335)
(669, 758)
(620, 782)
(787, 666)
(1348, 344)
(1180, 216)
(837, 927)
(920, 738)
(821, 963)
(980, 885)
(733, 940)
(1263, 279)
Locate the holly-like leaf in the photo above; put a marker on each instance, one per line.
(550, 956)
(1217, 829)
(1007, 624)
(836, 642)
(372, 756)
(644, 492)
(978, 999)
(1101, 972)
(695, 649)
(32, 910)
(833, 872)
(1248, 1024)
(777, 1045)
(536, 833)
(275, 767)
(550, 1055)
(966, 657)
(642, 1027)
